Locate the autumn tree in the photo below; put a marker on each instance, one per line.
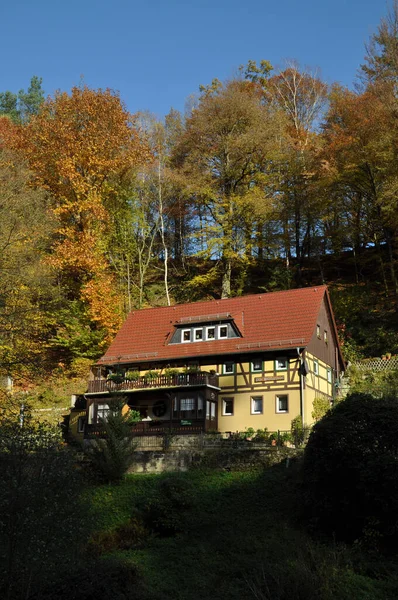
(27, 289)
(84, 148)
(361, 157)
(382, 51)
(222, 156)
(301, 96)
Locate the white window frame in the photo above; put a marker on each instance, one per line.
(224, 368)
(329, 375)
(224, 412)
(253, 369)
(253, 399)
(325, 336)
(222, 337)
(318, 331)
(277, 367)
(316, 367)
(207, 333)
(81, 421)
(105, 409)
(182, 336)
(194, 334)
(277, 406)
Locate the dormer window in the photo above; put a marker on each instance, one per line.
(210, 333)
(204, 332)
(186, 335)
(198, 334)
(222, 332)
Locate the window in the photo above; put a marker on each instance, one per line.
(280, 364)
(282, 404)
(227, 406)
(200, 406)
(222, 332)
(325, 336)
(316, 367)
(186, 335)
(80, 424)
(210, 333)
(318, 331)
(329, 375)
(228, 368)
(187, 408)
(102, 412)
(257, 405)
(257, 365)
(198, 334)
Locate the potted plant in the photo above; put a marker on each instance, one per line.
(171, 372)
(151, 375)
(132, 375)
(115, 377)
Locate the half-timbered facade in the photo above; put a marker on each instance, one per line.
(255, 361)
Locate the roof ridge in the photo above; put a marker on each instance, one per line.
(211, 301)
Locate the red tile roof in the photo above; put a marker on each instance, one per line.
(266, 321)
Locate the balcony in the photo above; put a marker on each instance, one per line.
(160, 382)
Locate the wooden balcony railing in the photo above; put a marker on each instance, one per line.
(162, 381)
(152, 428)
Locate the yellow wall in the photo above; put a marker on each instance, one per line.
(73, 423)
(316, 385)
(268, 384)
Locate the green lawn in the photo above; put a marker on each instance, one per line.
(238, 538)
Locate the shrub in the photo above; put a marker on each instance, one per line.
(132, 375)
(131, 534)
(350, 469)
(112, 455)
(171, 372)
(297, 431)
(166, 513)
(320, 408)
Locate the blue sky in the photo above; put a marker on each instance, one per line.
(158, 53)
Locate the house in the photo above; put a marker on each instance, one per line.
(221, 365)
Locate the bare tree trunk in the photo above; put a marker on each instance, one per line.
(161, 228)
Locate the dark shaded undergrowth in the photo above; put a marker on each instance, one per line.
(217, 535)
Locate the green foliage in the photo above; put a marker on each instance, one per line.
(75, 335)
(320, 408)
(109, 578)
(128, 535)
(376, 383)
(166, 512)
(170, 372)
(132, 375)
(20, 107)
(221, 534)
(350, 472)
(151, 375)
(112, 455)
(42, 519)
(115, 377)
(297, 431)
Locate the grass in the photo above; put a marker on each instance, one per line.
(238, 538)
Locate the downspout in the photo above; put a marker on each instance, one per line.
(301, 371)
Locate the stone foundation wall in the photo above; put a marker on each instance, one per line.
(158, 461)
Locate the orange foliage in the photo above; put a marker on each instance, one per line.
(83, 148)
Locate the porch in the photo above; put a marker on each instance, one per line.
(159, 382)
(181, 404)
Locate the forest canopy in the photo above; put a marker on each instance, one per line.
(270, 180)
